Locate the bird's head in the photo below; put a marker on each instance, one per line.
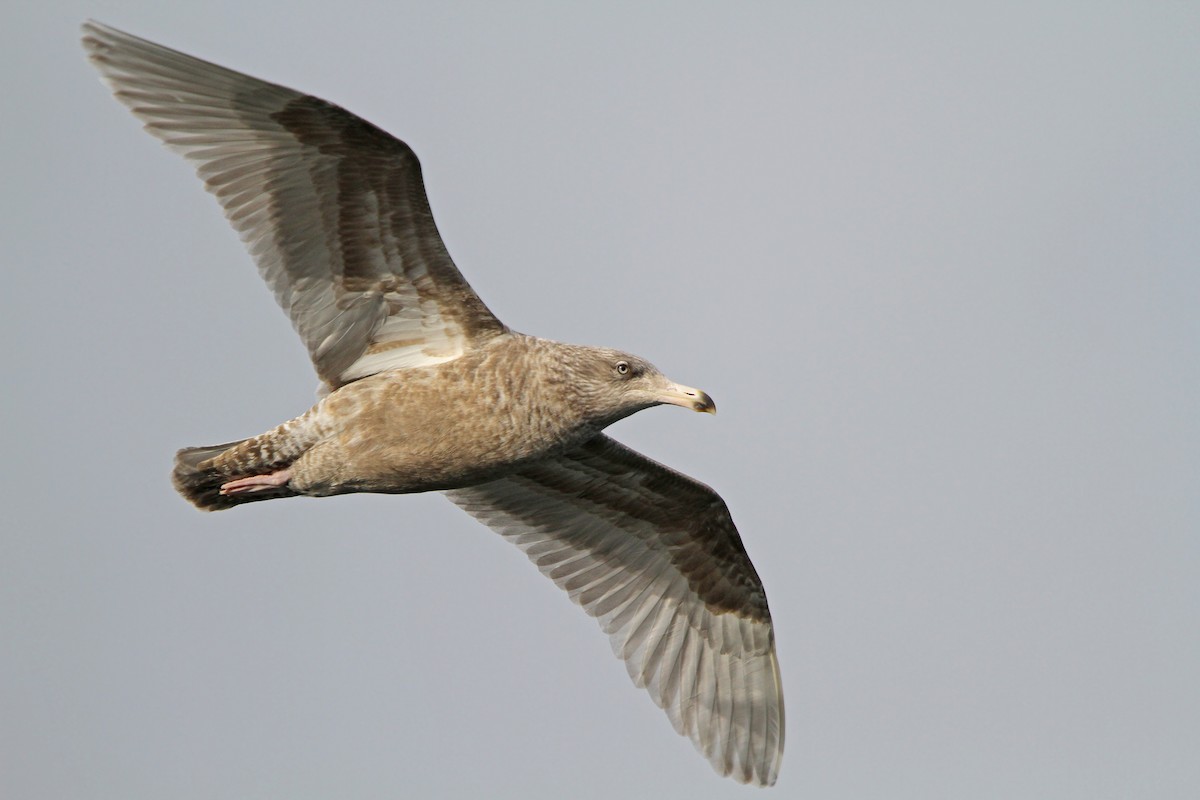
(619, 384)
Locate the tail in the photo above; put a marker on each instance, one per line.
(200, 483)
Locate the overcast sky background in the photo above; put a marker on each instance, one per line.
(939, 268)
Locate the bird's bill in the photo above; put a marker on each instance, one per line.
(679, 395)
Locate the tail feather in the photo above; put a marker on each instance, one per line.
(200, 483)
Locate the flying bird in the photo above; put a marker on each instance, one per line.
(424, 389)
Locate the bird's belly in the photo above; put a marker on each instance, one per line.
(435, 458)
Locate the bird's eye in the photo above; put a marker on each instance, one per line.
(622, 367)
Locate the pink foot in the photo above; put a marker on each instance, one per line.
(257, 483)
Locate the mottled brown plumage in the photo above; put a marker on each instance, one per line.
(424, 389)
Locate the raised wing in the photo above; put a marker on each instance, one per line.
(332, 209)
(654, 556)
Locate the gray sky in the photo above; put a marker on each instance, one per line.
(938, 268)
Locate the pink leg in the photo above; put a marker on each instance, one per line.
(257, 483)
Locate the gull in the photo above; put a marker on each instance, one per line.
(424, 389)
